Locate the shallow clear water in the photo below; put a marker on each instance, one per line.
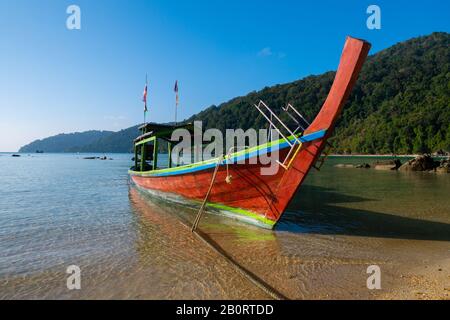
(58, 210)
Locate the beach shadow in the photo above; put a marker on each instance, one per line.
(316, 210)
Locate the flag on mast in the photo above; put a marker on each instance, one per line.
(144, 97)
(176, 93)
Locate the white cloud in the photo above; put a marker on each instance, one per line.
(265, 52)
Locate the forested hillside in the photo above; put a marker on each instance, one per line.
(400, 104)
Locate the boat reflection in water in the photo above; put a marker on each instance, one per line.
(184, 267)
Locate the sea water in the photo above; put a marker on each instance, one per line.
(60, 210)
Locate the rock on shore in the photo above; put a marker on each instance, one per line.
(387, 165)
(97, 158)
(342, 165)
(444, 167)
(421, 163)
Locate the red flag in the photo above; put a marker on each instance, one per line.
(144, 98)
(176, 92)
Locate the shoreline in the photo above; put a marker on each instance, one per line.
(370, 155)
(380, 156)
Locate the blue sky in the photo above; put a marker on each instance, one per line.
(55, 80)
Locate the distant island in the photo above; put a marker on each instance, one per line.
(400, 105)
(89, 141)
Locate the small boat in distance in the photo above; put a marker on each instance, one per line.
(250, 196)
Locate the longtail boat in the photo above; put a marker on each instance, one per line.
(250, 196)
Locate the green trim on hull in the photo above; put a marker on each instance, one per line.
(214, 208)
(265, 222)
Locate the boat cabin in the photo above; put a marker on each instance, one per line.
(155, 138)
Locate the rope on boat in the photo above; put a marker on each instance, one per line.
(205, 201)
(202, 208)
